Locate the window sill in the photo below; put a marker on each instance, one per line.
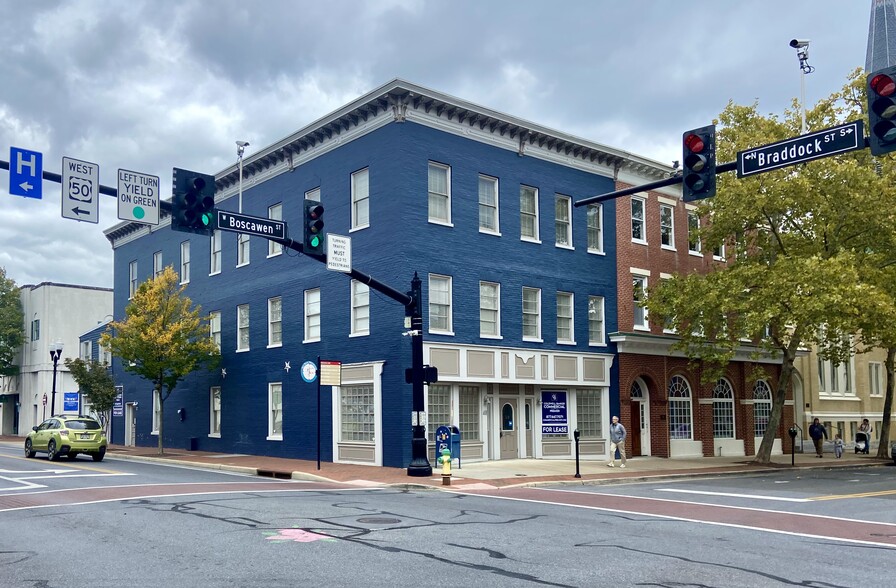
(440, 222)
(274, 345)
(641, 328)
(311, 340)
(359, 228)
(242, 350)
(274, 437)
(366, 334)
(446, 333)
(487, 232)
(491, 337)
(278, 254)
(564, 246)
(694, 253)
(596, 252)
(639, 242)
(597, 344)
(184, 283)
(214, 273)
(214, 435)
(669, 248)
(244, 264)
(570, 343)
(533, 340)
(530, 240)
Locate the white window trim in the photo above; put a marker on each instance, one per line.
(497, 230)
(538, 338)
(211, 326)
(671, 246)
(211, 411)
(646, 325)
(450, 330)
(572, 318)
(568, 199)
(158, 265)
(603, 321)
(215, 237)
(240, 239)
(272, 345)
(271, 436)
(306, 338)
(355, 226)
(238, 327)
(497, 313)
(185, 247)
(352, 291)
(156, 416)
(132, 279)
(336, 398)
(698, 252)
(274, 248)
(439, 221)
(643, 201)
(600, 223)
(537, 237)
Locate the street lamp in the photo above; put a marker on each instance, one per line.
(802, 53)
(55, 354)
(240, 148)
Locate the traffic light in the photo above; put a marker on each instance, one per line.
(314, 227)
(882, 110)
(698, 163)
(193, 202)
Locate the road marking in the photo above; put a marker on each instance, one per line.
(96, 475)
(734, 495)
(856, 495)
(33, 471)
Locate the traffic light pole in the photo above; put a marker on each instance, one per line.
(419, 466)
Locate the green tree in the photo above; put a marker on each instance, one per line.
(95, 382)
(162, 338)
(796, 240)
(12, 333)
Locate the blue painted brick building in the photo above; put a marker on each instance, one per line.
(519, 289)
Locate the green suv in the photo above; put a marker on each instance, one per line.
(67, 435)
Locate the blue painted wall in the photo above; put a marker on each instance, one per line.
(398, 242)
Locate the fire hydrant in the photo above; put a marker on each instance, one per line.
(445, 460)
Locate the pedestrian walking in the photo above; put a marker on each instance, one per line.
(617, 441)
(838, 446)
(818, 434)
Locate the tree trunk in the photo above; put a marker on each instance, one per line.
(764, 453)
(883, 450)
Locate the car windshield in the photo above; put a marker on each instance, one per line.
(82, 424)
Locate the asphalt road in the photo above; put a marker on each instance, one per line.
(122, 523)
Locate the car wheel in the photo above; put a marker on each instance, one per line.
(100, 455)
(71, 455)
(29, 452)
(51, 451)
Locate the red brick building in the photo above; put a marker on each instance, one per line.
(664, 405)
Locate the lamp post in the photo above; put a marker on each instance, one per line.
(55, 354)
(240, 148)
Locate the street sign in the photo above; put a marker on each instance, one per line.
(80, 190)
(309, 371)
(832, 141)
(330, 373)
(138, 197)
(339, 253)
(70, 402)
(26, 172)
(251, 225)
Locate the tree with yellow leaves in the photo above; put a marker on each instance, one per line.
(163, 338)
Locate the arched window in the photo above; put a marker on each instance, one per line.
(636, 391)
(723, 410)
(679, 409)
(762, 407)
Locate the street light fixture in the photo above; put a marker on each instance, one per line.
(55, 354)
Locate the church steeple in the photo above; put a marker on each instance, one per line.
(881, 36)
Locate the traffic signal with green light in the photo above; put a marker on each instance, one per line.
(193, 202)
(881, 87)
(698, 156)
(314, 227)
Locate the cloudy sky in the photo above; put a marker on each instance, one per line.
(155, 84)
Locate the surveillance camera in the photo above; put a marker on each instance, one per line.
(246, 143)
(798, 43)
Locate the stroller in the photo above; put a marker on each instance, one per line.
(863, 440)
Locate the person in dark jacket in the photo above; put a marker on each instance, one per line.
(818, 434)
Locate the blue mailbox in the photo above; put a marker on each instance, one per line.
(448, 436)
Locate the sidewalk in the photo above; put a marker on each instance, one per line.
(480, 475)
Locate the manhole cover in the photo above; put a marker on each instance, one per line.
(379, 520)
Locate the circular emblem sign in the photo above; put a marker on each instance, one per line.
(309, 371)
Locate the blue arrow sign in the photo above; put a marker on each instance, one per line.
(26, 172)
(832, 141)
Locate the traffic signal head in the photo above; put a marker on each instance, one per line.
(314, 227)
(698, 156)
(193, 202)
(881, 89)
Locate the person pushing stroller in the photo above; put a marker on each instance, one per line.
(863, 437)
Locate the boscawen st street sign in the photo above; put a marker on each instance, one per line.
(251, 225)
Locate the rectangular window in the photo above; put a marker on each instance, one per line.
(356, 408)
(638, 233)
(488, 204)
(242, 327)
(275, 410)
(275, 212)
(595, 228)
(528, 213)
(667, 226)
(595, 320)
(214, 400)
(693, 235)
(565, 331)
(360, 199)
(275, 322)
(532, 314)
(242, 249)
(157, 264)
(35, 329)
(470, 409)
(438, 409)
(360, 308)
(563, 220)
(489, 309)
(105, 356)
(718, 253)
(214, 327)
(312, 315)
(85, 351)
(590, 419)
(639, 297)
(874, 378)
(185, 262)
(132, 279)
(439, 304)
(439, 183)
(215, 256)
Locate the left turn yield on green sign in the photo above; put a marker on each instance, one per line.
(138, 197)
(26, 171)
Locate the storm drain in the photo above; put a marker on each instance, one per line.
(378, 521)
(275, 474)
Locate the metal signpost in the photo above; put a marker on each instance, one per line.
(25, 173)
(832, 141)
(138, 197)
(251, 225)
(80, 190)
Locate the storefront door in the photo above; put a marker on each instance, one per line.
(509, 427)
